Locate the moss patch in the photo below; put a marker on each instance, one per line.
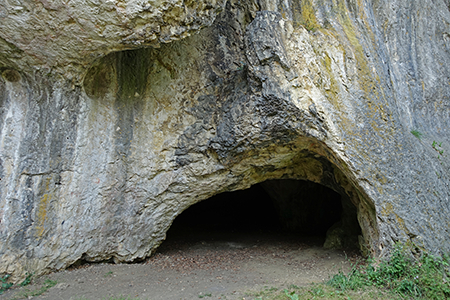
(41, 216)
(333, 90)
(304, 15)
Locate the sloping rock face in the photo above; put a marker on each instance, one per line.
(102, 146)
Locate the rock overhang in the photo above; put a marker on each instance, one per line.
(65, 38)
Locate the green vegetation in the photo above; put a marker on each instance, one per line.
(417, 134)
(426, 278)
(291, 295)
(109, 273)
(27, 280)
(4, 284)
(438, 147)
(205, 295)
(37, 292)
(399, 277)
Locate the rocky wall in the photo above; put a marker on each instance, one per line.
(101, 146)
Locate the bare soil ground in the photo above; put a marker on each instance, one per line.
(211, 266)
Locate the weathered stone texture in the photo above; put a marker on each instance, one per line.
(101, 149)
(69, 35)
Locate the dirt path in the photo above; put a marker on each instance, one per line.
(226, 266)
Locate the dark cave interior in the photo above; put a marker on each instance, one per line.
(299, 207)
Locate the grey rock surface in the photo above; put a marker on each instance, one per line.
(101, 146)
(67, 36)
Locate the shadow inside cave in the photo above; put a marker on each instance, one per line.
(268, 212)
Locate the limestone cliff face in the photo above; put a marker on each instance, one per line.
(102, 146)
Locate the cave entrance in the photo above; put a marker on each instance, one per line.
(302, 208)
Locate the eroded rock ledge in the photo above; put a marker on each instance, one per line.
(67, 36)
(101, 149)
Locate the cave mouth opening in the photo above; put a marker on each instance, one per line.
(304, 209)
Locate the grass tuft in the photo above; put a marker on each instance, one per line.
(417, 134)
(427, 277)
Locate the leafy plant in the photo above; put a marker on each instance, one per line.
(438, 147)
(317, 291)
(4, 284)
(291, 295)
(27, 280)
